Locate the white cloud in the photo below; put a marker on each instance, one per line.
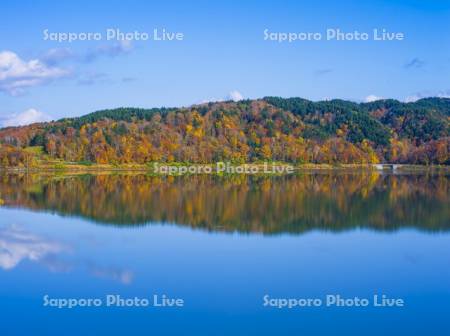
(16, 74)
(235, 96)
(27, 117)
(232, 95)
(372, 98)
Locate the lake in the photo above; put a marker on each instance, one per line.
(221, 255)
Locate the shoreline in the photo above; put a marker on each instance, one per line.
(278, 168)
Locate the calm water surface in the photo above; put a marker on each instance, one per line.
(222, 244)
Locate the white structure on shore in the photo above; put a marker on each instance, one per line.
(384, 166)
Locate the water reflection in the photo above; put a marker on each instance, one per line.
(17, 244)
(123, 276)
(289, 204)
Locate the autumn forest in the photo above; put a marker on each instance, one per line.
(291, 130)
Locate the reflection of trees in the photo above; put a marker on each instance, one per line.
(327, 201)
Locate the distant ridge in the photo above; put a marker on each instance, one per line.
(272, 128)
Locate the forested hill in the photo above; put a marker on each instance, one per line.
(291, 130)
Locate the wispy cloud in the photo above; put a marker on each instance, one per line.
(128, 79)
(415, 63)
(321, 72)
(108, 50)
(56, 56)
(91, 78)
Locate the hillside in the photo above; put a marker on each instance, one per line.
(290, 130)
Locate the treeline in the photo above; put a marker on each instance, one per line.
(277, 129)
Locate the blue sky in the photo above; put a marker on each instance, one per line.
(223, 51)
